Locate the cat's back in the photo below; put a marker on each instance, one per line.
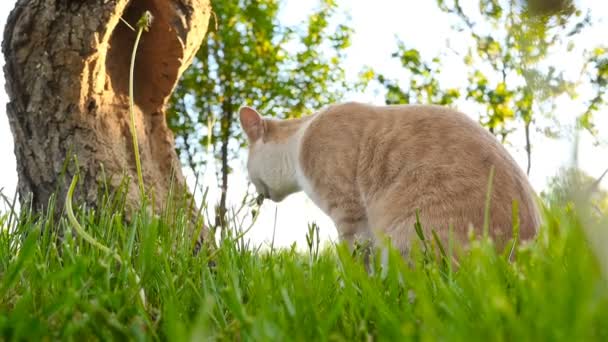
(420, 131)
(391, 140)
(383, 143)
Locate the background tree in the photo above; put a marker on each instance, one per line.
(252, 59)
(596, 74)
(422, 85)
(571, 185)
(506, 66)
(67, 67)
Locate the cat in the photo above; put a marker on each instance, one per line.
(371, 168)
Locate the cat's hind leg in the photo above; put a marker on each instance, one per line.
(357, 235)
(354, 231)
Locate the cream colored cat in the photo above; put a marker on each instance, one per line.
(371, 167)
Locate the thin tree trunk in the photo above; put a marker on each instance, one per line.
(67, 67)
(528, 148)
(226, 130)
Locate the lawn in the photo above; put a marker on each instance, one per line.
(65, 288)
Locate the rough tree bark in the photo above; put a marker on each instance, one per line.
(67, 67)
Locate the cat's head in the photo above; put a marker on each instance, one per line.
(268, 164)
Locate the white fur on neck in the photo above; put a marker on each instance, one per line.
(278, 164)
(303, 181)
(279, 169)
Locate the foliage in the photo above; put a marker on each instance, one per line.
(54, 285)
(598, 77)
(508, 76)
(571, 183)
(423, 86)
(515, 50)
(252, 59)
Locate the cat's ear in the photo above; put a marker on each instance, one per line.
(252, 123)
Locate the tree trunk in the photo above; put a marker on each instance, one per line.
(221, 216)
(528, 147)
(67, 67)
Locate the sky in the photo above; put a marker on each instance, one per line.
(420, 25)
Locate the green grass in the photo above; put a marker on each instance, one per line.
(68, 289)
